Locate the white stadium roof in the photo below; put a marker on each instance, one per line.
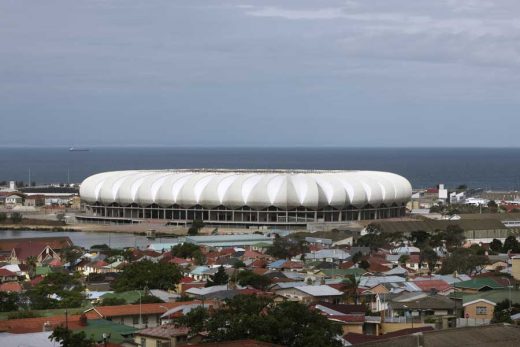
(254, 188)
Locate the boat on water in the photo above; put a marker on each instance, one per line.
(78, 149)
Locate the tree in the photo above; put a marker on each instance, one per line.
(149, 299)
(351, 284)
(31, 265)
(185, 250)
(364, 264)
(283, 248)
(420, 238)
(57, 284)
(250, 317)
(496, 245)
(403, 259)
(249, 278)
(147, 274)
(430, 257)
(66, 338)
(511, 244)
(8, 302)
(71, 254)
(16, 217)
(113, 301)
(219, 278)
(453, 236)
(464, 261)
(356, 257)
(196, 225)
(239, 264)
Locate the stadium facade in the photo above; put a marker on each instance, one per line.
(244, 197)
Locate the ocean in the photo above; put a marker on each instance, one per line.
(487, 168)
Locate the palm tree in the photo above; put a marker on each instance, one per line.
(351, 284)
(31, 265)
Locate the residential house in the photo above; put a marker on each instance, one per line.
(421, 308)
(476, 285)
(7, 276)
(329, 255)
(35, 200)
(202, 273)
(434, 286)
(13, 200)
(480, 309)
(11, 287)
(488, 299)
(42, 251)
(351, 317)
(167, 335)
(309, 294)
(138, 315)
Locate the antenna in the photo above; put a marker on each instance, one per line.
(30, 177)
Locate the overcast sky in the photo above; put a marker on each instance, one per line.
(316, 73)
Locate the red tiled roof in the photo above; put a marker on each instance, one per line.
(32, 325)
(346, 265)
(227, 251)
(177, 260)
(6, 273)
(186, 279)
(25, 250)
(428, 285)
(414, 259)
(164, 331)
(36, 280)
(151, 253)
(11, 287)
(55, 242)
(259, 263)
(55, 262)
(377, 267)
(252, 254)
(100, 263)
(292, 265)
(237, 343)
(127, 310)
(259, 270)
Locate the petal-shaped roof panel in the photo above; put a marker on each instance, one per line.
(257, 189)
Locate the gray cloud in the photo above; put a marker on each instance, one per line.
(260, 73)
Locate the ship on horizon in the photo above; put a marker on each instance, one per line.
(78, 149)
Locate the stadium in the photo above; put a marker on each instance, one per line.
(244, 197)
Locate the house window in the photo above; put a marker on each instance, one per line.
(135, 320)
(145, 319)
(481, 310)
(143, 341)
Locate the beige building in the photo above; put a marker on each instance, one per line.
(515, 269)
(166, 335)
(479, 309)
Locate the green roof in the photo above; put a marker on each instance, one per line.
(95, 329)
(43, 270)
(130, 296)
(495, 296)
(478, 283)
